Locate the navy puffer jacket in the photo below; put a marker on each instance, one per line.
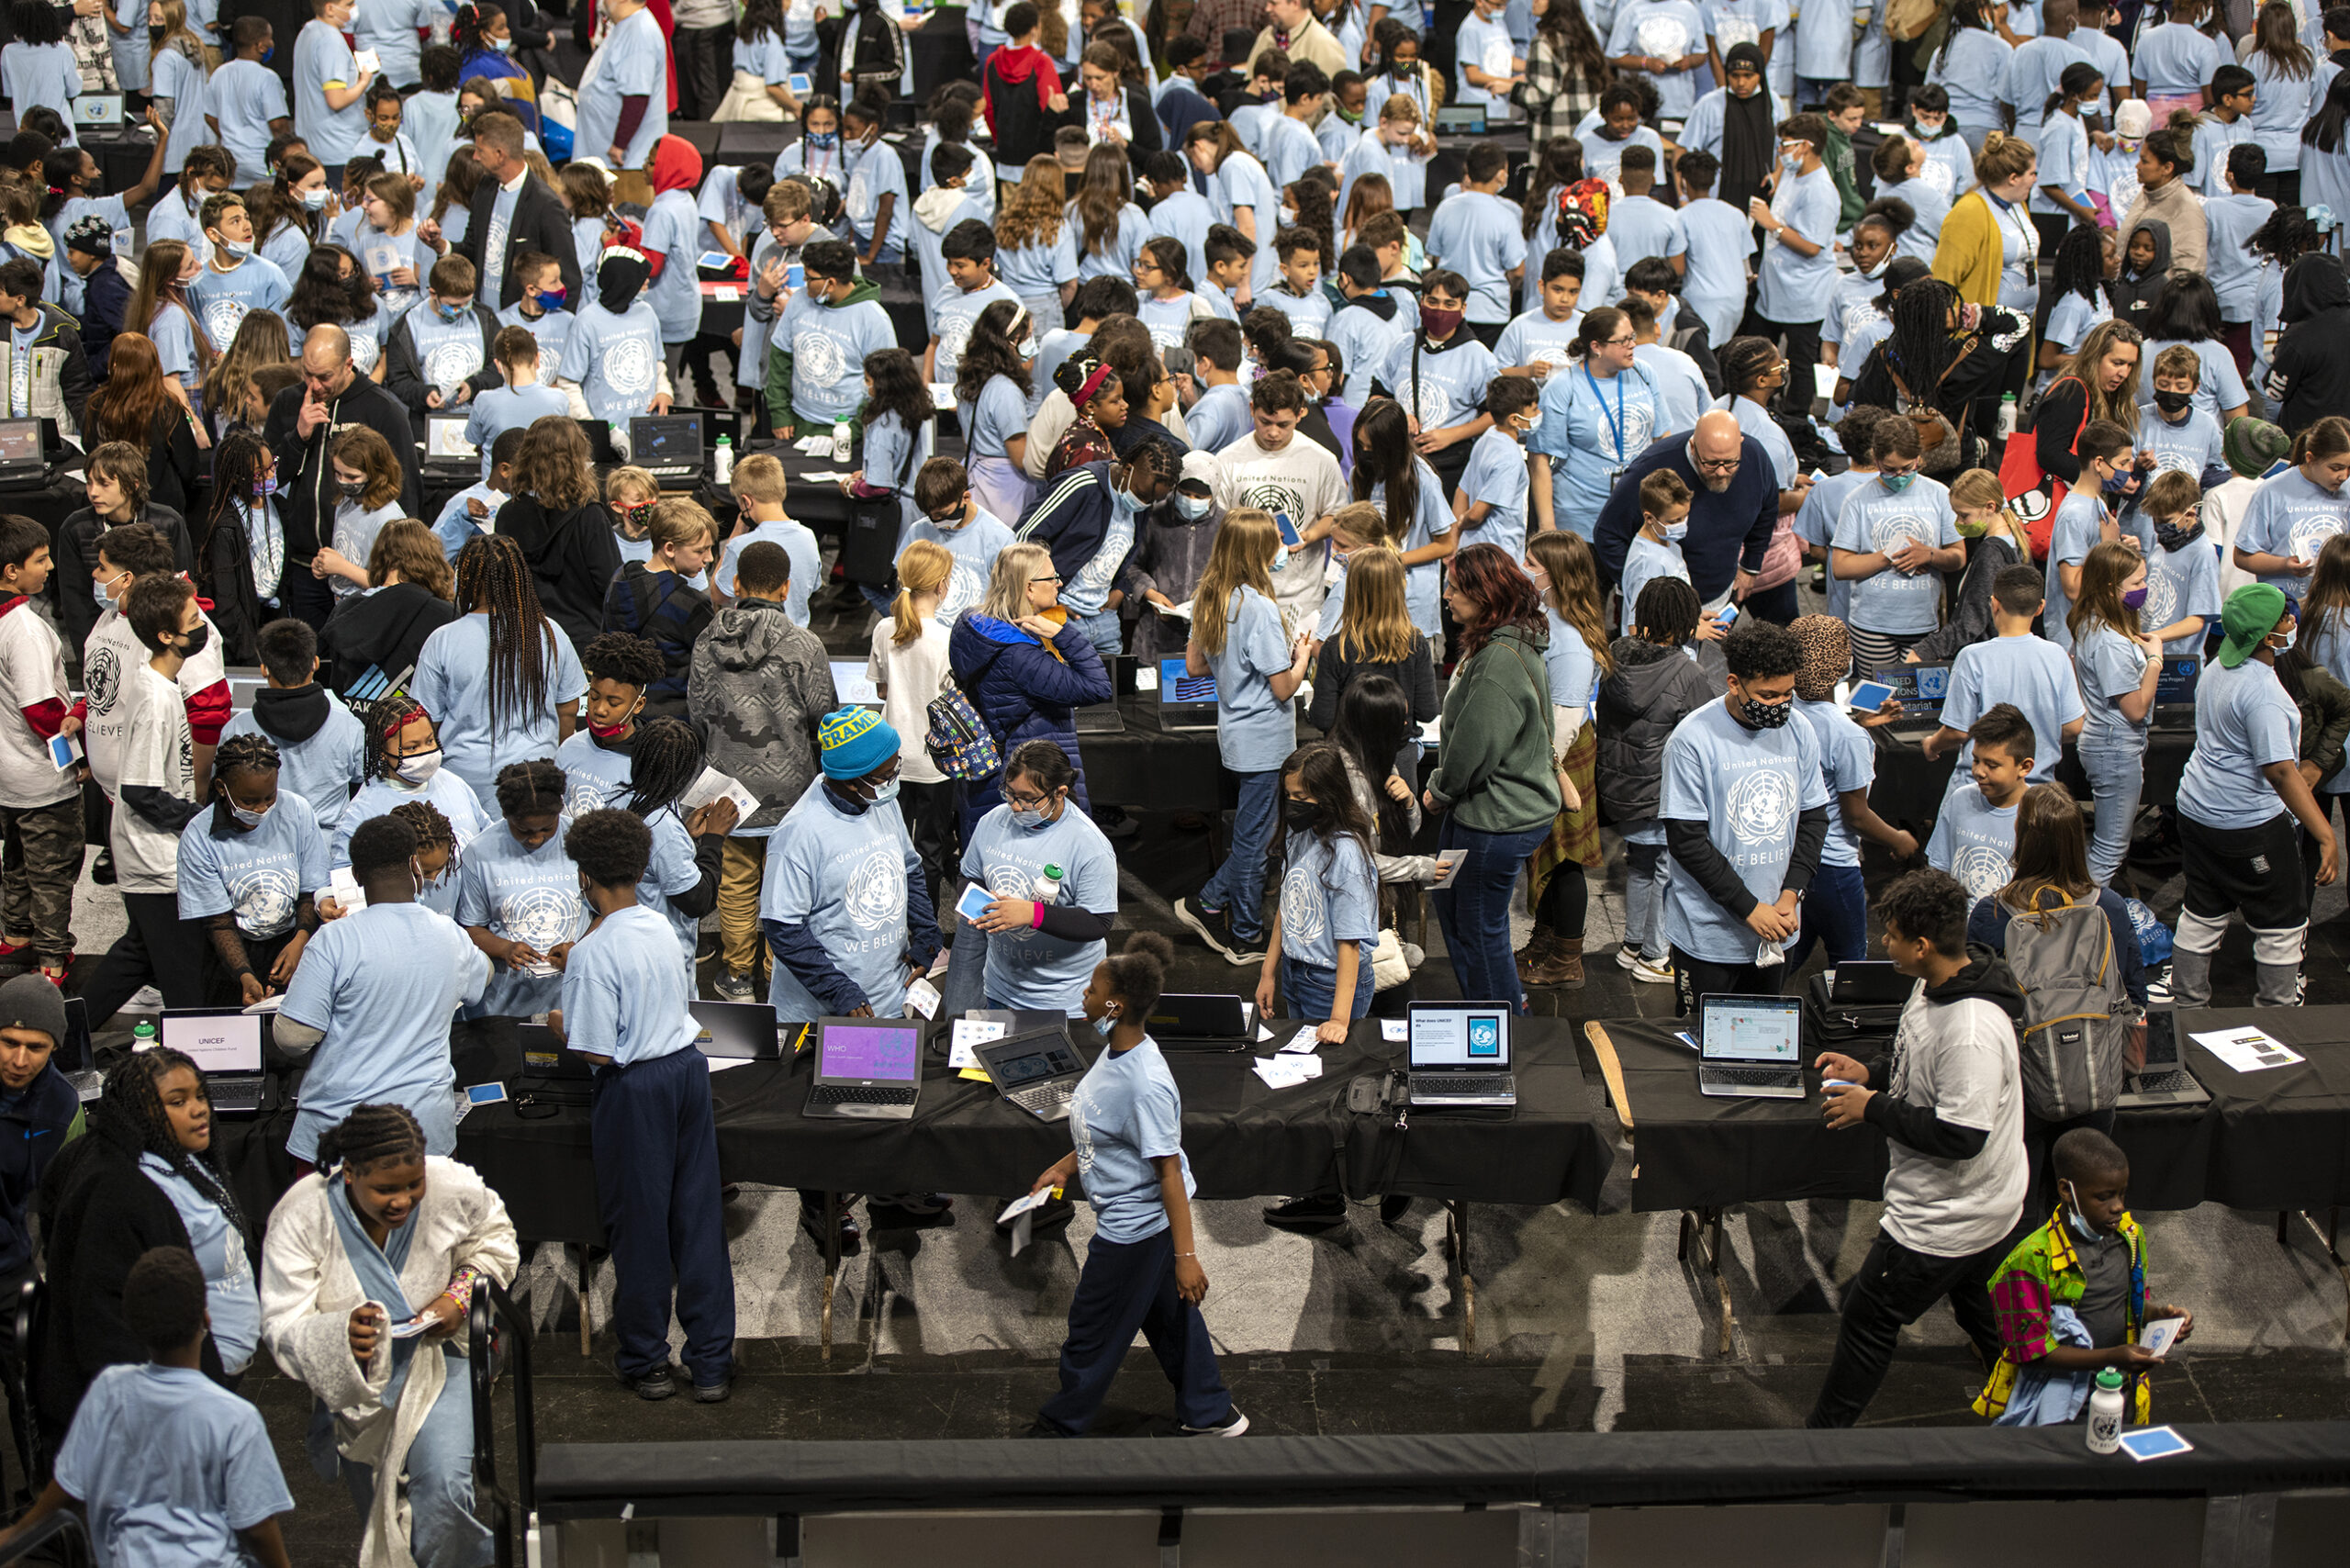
(1023, 693)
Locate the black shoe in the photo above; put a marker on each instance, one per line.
(656, 1384)
(1393, 1207)
(1320, 1212)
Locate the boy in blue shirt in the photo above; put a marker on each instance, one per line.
(1799, 271)
(162, 1463)
(1475, 233)
(2034, 674)
(655, 1143)
(1975, 833)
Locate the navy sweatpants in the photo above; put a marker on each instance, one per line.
(1126, 1287)
(656, 1147)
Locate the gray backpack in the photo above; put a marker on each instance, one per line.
(2076, 1014)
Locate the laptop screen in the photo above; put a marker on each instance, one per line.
(1752, 1028)
(891, 1053)
(1045, 1057)
(1176, 686)
(662, 442)
(215, 1042)
(1462, 1034)
(19, 440)
(2175, 686)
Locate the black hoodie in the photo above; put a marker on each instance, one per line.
(1986, 978)
(2308, 375)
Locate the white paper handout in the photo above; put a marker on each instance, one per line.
(2247, 1050)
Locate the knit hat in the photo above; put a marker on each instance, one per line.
(31, 1002)
(2133, 119)
(2253, 446)
(2250, 614)
(93, 236)
(853, 741)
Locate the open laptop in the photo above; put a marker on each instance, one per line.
(1037, 1070)
(866, 1068)
(447, 453)
(2174, 693)
(740, 1031)
(1184, 1022)
(668, 447)
(1873, 983)
(1920, 688)
(22, 467)
(97, 111)
(1185, 702)
(2165, 1080)
(1461, 1054)
(225, 1045)
(1752, 1047)
(76, 1057)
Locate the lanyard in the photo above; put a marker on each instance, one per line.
(1615, 419)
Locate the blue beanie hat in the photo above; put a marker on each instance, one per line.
(854, 742)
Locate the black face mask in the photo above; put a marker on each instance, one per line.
(1303, 816)
(2174, 402)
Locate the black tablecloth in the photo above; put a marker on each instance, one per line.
(2281, 1135)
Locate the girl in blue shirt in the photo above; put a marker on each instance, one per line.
(1142, 1268)
(1319, 958)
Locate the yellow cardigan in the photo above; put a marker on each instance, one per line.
(1968, 255)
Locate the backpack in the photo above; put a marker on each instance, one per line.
(2076, 1015)
(957, 739)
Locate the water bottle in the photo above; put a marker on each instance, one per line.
(142, 1034)
(843, 443)
(723, 461)
(1047, 890)
(2007, 416)
(2105, 1413)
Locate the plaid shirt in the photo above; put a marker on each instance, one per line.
(1554, 100)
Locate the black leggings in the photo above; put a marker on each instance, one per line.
(1566, 899)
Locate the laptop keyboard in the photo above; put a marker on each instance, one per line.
(2176, 1083)
(857, 1094)
(1045, 1100)
(1454, 1085)
(1759, 1077)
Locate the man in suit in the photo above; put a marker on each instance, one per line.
(513, 213)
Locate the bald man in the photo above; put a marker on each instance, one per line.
(1733, 511)
(332, 396)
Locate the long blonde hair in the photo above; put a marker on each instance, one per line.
(1007, 596)
(1573, 592)
(1374, 627)
(1242, 556)
(923, 569)
(1032, 213)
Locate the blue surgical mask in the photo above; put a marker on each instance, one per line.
(885, 793)
(447, 312)
(1897, 483)
(1029, 819)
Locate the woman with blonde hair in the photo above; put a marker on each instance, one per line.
(1566, 577)
(1238, 636)
(1990, 252)
(562, 526)
(908, 666)
(1035, 250)
(1374, 635)
(1027, 666)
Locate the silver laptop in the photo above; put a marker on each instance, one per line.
(1750, 1047)
(225, 1045)
(2165, 1080)
(868, 1068)
(1461, 1054)
(1037, 1070)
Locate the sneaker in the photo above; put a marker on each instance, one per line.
(654, 1385)
(1232, 1425)
(733, 987)
(714, 1392)
(1651, 971)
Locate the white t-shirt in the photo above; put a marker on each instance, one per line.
(913, 675)
(1959, 1061)
(32, 669)
(156, 749)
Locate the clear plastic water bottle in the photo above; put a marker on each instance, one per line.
(722, 462)
(142, 1034)
(843, 443)
(2105, 1412)
(1047, 890)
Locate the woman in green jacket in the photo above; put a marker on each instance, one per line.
(1496, 780)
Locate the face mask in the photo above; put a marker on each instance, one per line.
(314, 201)
(2174, 402)
(823, 141)
(447, 311)
(1897, 483)
(195, 641)
(1193, 508)
(2135, 599)
(1439, 323)
(416, 770)
(1675, 533)
(885, 793)
(550, 298)
(1303, 816)
(1768, 715)
(236, 250)
(250, 818)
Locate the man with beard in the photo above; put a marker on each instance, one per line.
(1733, 509)
(332, 398)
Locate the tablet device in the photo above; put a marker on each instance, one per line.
(2154, 1442)
(798, 84)
(1290, 535)
(485, 1094)
(1869, 695)
(974, 902)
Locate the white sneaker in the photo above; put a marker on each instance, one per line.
(146, 998)
(1657, 973)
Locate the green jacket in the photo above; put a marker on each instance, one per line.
(1841, 168)
(780, 414)
(1493, 768)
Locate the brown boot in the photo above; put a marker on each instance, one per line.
(1561, 966)
(1536, 952)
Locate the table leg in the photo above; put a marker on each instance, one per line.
(2326, 1240)
(1704, 1227)
(831, 1265)
(1456, 1218)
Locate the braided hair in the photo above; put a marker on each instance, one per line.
(246, 753)
(369, 1135)
(385, 719)
(134, 1101)
(493, 576)
(525, 789)
(667, 758)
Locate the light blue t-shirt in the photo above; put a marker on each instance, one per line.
(170, 1465)
(1329, 895)
(2290, 516)
(975, 546)
(522, 895)
(594, 775)
(502, 408)
(1747, 787)
(1848, 762)
(1645, 560)
(1497, 475)
(2110, 666)
(1254, 731)
(844, 876)
(1126, 1112)
(624, 991)
(806, 566)
(321, 56)
(632, 62)
(323, 768)
(2244, 721)
(260, 875)
(1975, 842)
(1031, 968)
(2181, 583)
(1476, 234)
(2074, 532)
(1795, 287)
(2031, 672)
(382, 984)
(229, 1294)
(1874, 519)
(452, 681)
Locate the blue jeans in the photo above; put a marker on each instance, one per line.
(1309, 989)
(1239, 886)
(1836, 914)
(1475, 910)
(442, 1531)
(2116, 777)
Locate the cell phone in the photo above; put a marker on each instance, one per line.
(1288, 530)
(974, 902)
(1869, 695)
(64, 751)
(798, 84)
(795, 276)
(485, 1094)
